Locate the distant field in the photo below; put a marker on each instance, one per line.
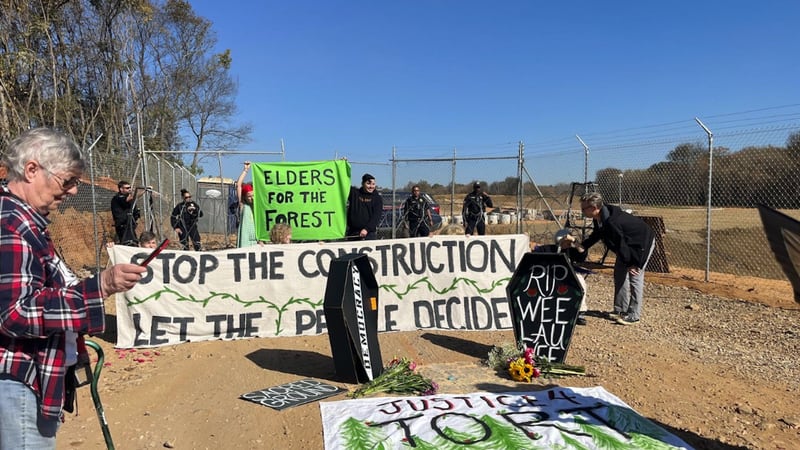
(738, 243)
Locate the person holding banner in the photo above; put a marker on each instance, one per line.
(147, 240)
(247, 224)
(184, 220)
(44, 308)
(364, 209)
(280, 233)
(631, 239)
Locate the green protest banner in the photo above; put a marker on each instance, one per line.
(309, 196)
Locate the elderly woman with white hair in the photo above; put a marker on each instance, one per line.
(44, 309)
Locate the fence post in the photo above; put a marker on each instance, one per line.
(520, 193)
(708, 208)
(585, 163)
(97, 245)
(453, 189)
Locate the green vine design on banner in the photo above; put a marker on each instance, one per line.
(400, 293)
(279, 309)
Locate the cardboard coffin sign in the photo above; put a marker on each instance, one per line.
(351, 314)
(545, 296)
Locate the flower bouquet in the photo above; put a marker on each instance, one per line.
(399, 377)
(522, 365)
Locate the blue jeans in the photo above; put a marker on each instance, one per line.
(21, 425)
(629, 289)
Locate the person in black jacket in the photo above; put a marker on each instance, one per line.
(125, 214)
(475, 204)
(631, 239)
(184, 220)
(418, 215)
(364, 210)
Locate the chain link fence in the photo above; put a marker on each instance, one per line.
(666, 178)
(662, 173)
(83, 226)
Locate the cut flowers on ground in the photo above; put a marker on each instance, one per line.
(522, 365)
(400, 376)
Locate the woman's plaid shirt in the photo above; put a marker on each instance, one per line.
(37, 305)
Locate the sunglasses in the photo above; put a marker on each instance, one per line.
(65, 184)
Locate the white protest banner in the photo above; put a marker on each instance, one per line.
(440, 282)
(561, 417)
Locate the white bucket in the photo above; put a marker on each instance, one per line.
(458, 219)
(493, 219)
(505, 218)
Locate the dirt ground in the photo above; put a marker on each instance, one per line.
(712, 362)
(677, 367)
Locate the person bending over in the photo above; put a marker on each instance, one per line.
(631, 239)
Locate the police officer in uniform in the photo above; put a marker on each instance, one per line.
(475, 204)
(418, 214)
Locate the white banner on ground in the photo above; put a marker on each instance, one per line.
(562, 417)
(440, 283)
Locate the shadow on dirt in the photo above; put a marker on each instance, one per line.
(297, 362)
(698, 442)
(467, 347)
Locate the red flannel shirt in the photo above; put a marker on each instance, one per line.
(36, 305)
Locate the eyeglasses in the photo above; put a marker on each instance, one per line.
(65, 184)
(187, 197)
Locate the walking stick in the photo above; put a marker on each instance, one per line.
(98, 406)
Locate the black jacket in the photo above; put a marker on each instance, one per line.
(120, 207)
(185, 215)
(364, 210)
(629, 237)
(475, 204)
(416, 209)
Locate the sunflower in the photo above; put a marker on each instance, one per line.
(527, 372)
(515, 368)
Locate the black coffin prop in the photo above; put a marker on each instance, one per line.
(351, 314)
(545, 295)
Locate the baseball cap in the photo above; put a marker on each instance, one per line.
(366, 177)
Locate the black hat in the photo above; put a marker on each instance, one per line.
(366, 177)
(476, 186)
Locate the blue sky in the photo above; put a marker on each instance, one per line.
(355, 78)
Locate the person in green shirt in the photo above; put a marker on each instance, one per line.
(247, 225)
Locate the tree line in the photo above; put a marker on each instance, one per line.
(128, 74)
